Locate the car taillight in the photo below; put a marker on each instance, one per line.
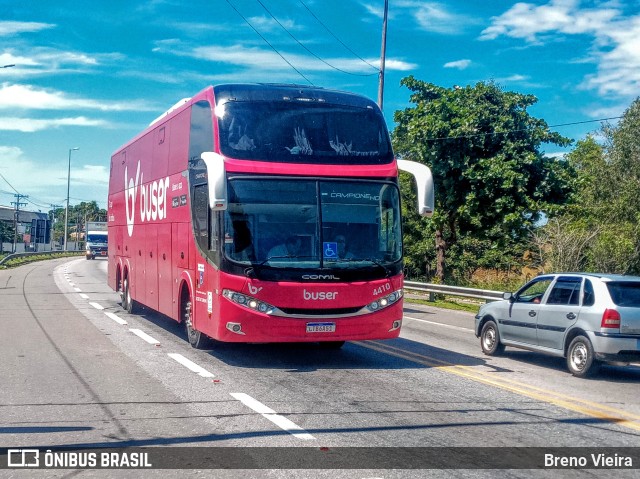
(610, 319)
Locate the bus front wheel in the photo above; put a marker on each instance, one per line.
(197, 339)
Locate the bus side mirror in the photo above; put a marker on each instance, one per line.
(217, 178)
(424, 181)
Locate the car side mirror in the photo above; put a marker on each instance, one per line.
(509, 296)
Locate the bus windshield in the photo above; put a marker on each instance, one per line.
(312, 224)
(301, 132)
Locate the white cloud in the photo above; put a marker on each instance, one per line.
(436, 17)
(267, 23)
(459, 64)
(10, 154)
(528, 21)
(46, 182)
(13, 28)
(374, 10)
(267, 60)
(29, 125)
(614, 39)
(28, 97)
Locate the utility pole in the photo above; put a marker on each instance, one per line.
(16, 213)
(66, 211)
(383, 52)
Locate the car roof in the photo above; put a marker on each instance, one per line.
(603, 276)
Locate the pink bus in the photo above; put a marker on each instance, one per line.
(263, 213)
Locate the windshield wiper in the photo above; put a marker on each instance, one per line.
(249, 271)
(387, 271)
(373, 261)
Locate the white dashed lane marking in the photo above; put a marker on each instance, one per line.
(268, 413)
(145, 336)
(190, 365)
(115, 317)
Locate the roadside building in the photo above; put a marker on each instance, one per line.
(17, 232)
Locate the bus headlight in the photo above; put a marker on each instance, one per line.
(385, 301)
(248, 301)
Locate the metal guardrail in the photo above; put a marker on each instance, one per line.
(430, 288)
(38, 253)
(434, 289)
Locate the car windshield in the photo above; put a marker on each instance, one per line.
(625, 293)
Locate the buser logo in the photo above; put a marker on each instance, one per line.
(319, 296)
(153, 198)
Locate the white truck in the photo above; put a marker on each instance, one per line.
(96, 239)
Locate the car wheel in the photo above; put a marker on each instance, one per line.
(490, 339)
(581, 359)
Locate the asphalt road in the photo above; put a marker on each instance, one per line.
(78, 371)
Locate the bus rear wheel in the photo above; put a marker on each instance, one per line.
(197, 339)
(128, 303)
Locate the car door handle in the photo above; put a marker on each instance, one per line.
(571, 316)
(532, 313)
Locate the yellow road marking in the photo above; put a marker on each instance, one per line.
(599, 411)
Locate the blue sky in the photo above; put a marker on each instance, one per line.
(92, 75)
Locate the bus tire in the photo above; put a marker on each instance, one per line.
(128, 303)
(197, 339)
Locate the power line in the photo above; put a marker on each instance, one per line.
(7, 182)
(308, 50)
(267, 42)
(521, 129)
(340, 41)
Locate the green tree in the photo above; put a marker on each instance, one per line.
(78, 215)
(607, 200)
(492, 182)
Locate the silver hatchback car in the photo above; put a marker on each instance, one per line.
(584, 317)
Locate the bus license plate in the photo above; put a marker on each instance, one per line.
(321, 327)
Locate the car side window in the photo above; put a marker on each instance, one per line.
(566, 291)
(589, 297)
(534, 291)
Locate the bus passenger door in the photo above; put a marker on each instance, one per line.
(203, 294)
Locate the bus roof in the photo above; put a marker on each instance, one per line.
(284, 92)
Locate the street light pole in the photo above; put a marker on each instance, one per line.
(66, 211)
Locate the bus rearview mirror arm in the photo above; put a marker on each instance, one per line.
(424, 182)
(217, 180)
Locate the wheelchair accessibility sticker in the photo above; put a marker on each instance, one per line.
(330, 249)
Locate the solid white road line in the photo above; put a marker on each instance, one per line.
(116, 318)
(145, 336)
(191, 365)
(268, 413)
